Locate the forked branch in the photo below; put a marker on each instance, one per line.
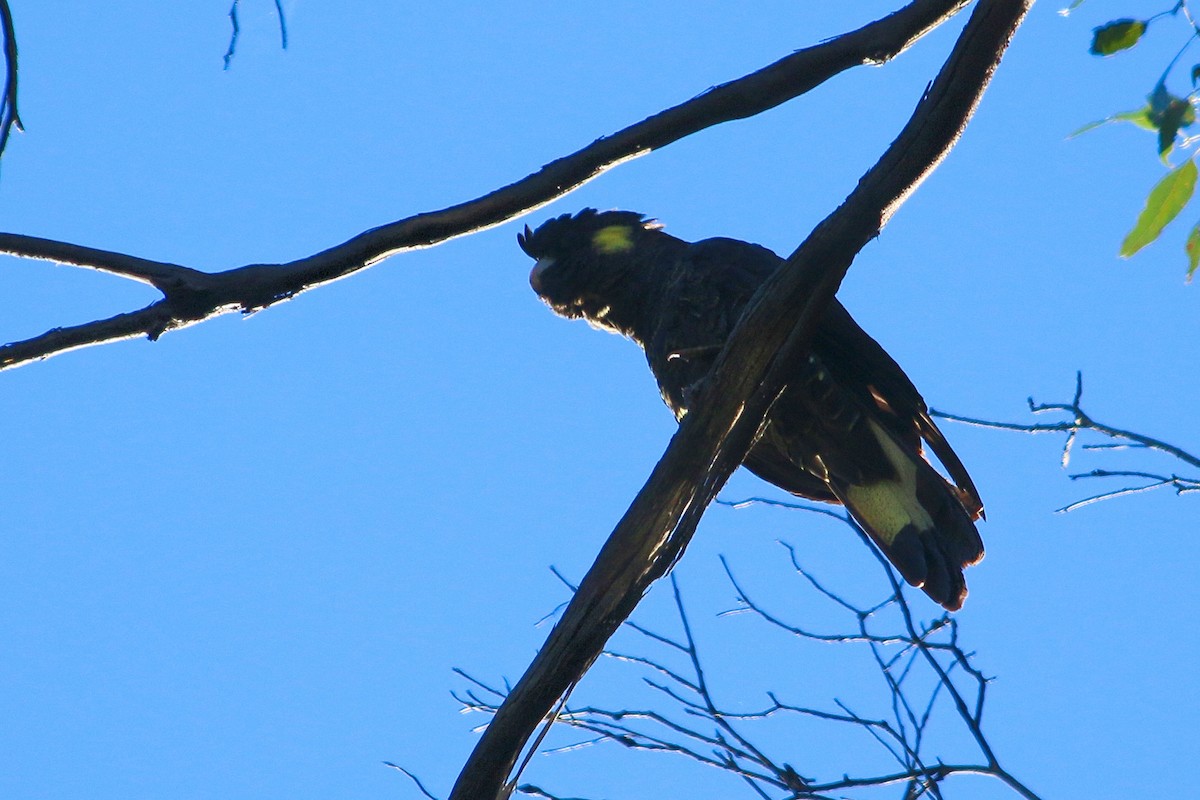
(932, 686)
(196, 296)
(1079, 421)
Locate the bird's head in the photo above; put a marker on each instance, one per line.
(586, 263)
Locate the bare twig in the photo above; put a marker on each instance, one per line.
(713, 736)
(414, 779)
(283, 33)
(1182, 486)
(237, 29)
(1080, 421)
(9, 118)
(535, 791)
(234, 33)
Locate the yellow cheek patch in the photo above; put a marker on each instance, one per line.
(613, 239)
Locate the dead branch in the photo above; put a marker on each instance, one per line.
(1119, 439)
(695, 726)
(191, 296)
(236, 29)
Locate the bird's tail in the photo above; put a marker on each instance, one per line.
(917, 519)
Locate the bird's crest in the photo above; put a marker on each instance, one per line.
(605, 232)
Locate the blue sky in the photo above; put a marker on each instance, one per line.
(241, 562)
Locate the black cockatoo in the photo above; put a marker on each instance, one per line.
(847, 429)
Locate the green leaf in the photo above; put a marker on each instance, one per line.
(1118, 35)
(1192, 248)
(1141, 117)
(1165, 202)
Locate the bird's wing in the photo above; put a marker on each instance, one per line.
(768, 460)
(707, 289)
(862, 366)
(968, 495)
(848, 428)
(908, 509)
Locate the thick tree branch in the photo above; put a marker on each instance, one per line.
(712, 440)
(200, 296)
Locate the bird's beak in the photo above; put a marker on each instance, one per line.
(535, 277)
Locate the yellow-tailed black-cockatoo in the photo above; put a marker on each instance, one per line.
(847, 429)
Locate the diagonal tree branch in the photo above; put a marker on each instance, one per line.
(190, 296)
(772, 335)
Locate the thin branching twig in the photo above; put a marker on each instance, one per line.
(918, 662)
(414, 779)
(236, 29)
(1120, 439)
